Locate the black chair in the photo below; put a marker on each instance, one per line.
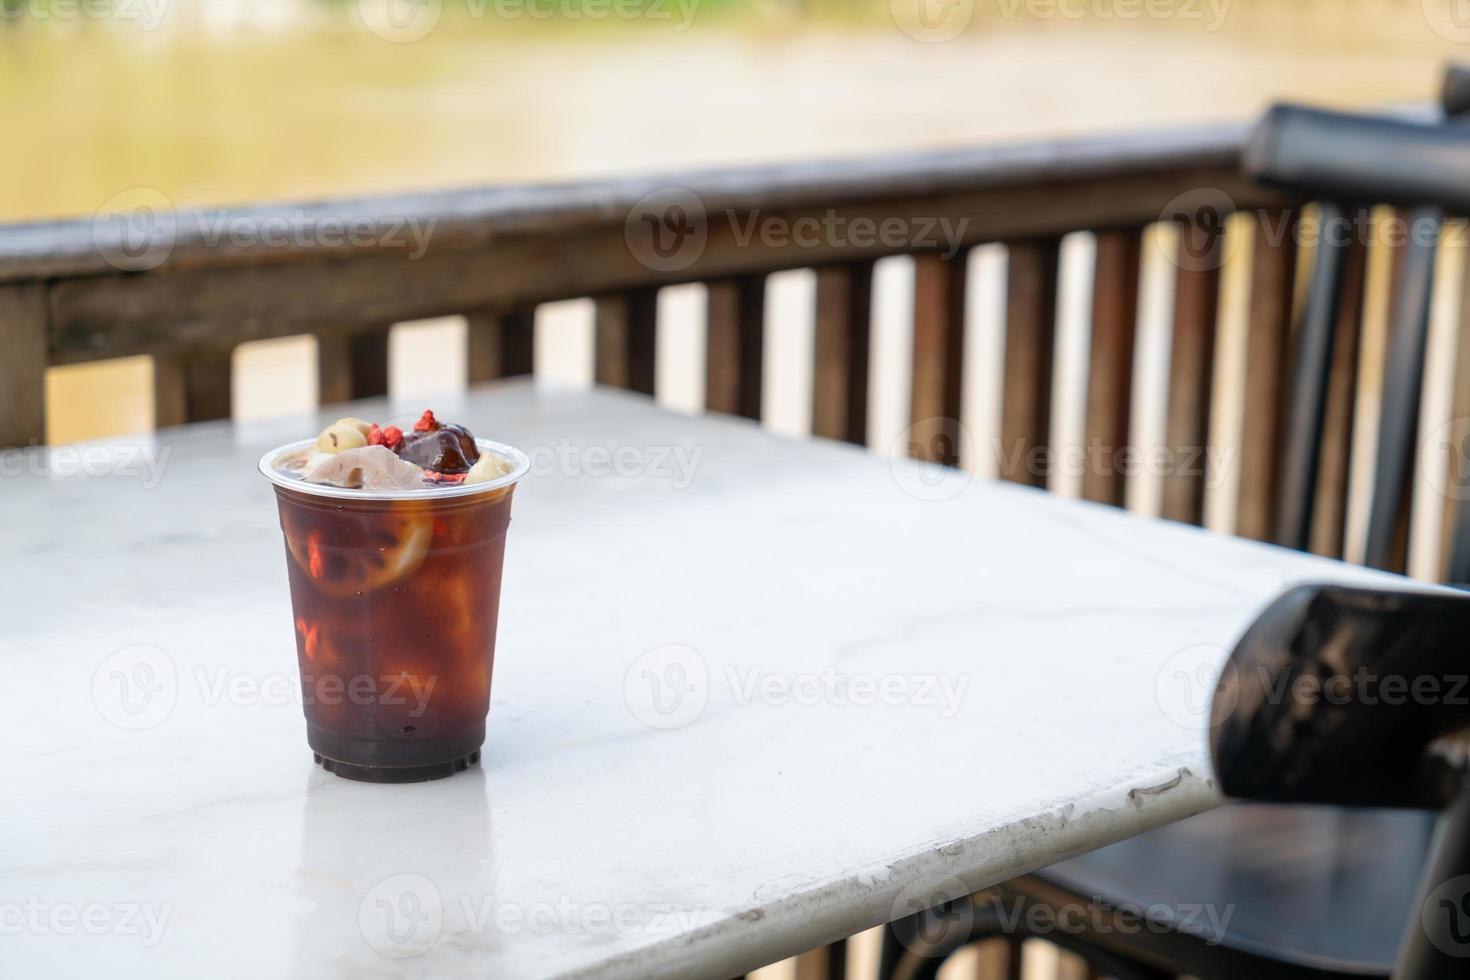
(1313, 891)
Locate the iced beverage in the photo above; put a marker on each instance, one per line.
(395, 543)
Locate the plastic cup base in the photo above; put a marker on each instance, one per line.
(397, 774)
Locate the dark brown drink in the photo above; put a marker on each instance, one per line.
(395, 603)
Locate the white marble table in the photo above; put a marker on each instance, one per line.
(751, 695)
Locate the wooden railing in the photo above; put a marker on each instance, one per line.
(186, 290)
(78, 291)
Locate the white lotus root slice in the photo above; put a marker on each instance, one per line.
(367, 468)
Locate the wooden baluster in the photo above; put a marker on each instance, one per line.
(1455, 552)
(1110, 363)
(840, 358)
(823, 963)
(939, 347)
(1191, 370)
(501, 345)
(1031, 299)
(1328, 529)
(1273, 280)
(350, 366)
(191, 387)
(1403, 377)
(998, 959)
(1070, 966)
(735, 345)
(24, 356)
(626, 339)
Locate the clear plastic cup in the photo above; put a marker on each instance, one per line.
(396, 597)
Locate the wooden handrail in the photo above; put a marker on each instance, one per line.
(471, 218)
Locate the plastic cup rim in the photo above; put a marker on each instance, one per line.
(521, 460)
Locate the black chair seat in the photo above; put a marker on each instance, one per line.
(1317, 888)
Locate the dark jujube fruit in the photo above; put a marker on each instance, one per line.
(443, 449)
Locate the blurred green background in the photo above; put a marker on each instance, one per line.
(216, 101)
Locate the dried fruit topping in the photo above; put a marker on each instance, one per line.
(315, 564)
(438, 447)
(355, 454)
(309, 637)
(390, 437)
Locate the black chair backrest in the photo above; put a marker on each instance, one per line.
(1361, 697)
(1339, 695)
(1351, 162)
